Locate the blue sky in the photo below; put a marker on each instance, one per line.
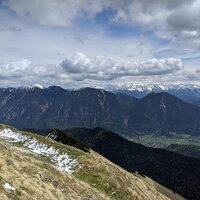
(98, 42)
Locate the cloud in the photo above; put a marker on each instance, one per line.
(95, 71)
(166, 19)
(50, 31)
(81, 67)
(55, 12)
(186, 18)
(27, 70)
(192, 76)
(63, 12)
(184, 22)
(14, 29)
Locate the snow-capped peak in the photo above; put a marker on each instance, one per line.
(32, 87)
(158, 87)
(38, 86)
(141, 90)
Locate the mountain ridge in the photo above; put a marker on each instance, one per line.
(187, 92)
(88, 107)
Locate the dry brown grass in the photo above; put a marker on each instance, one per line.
(35, 179)
(108, 177)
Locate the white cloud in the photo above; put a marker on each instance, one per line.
(167, 19)
(82, 67)
(60, 36)
(55, 12)
(95, 71)
(17, 66)
(25, 69)
(63, 12)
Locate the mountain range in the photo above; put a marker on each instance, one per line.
(187, 92)
(55, 107)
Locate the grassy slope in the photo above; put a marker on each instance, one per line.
(182, 144)
(34, 177)
(167, 140)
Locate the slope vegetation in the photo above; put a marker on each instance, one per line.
(177, 172)
(34, 167)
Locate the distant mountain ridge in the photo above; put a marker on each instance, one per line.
(162, 113)
(187, 92)
(55, 107)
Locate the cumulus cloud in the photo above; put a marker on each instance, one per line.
(177, 21)
(186, 18)
(192, 76)
(83, 67)
(26, 69)
(167, 19)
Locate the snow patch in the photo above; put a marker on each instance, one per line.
(52, 135)
(38, 86)
(113, 193)
(163, 107)
(156, 87)
(7, 186)
(62, 161)
(31, 87)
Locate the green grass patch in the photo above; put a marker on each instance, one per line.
(172, 139)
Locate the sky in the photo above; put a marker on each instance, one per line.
(99, 43)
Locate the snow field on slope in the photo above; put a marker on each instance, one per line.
(62, 161)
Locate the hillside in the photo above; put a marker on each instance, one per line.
(177, 172)
(35, 167)
(161, 113)
(54, 107)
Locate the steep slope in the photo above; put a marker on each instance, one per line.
(55, 107)
(177, 172)
(161, 113)
(89, 108)
(23, 107)
(193, 100)
(35, 167)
